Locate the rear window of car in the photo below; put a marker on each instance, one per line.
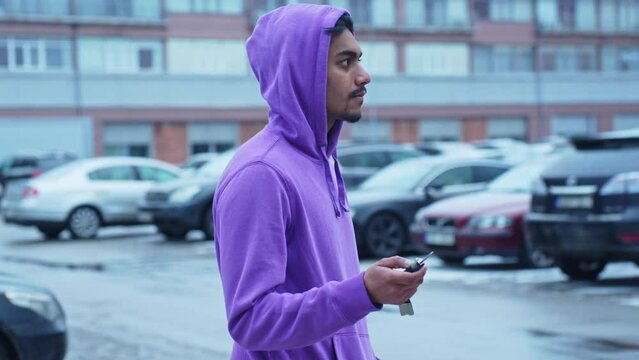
(113, 173)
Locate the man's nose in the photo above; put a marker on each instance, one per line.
(363, 77)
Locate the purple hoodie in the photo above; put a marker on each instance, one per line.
(284, 236)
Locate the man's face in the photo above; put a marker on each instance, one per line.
(345, 88)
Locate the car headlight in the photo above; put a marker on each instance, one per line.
(490, 222)
(624, 183)
(184, 194)
(41, 303)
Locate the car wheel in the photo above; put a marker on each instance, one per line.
(453, 260)
(50, 232)
(174, 234)
(207, 225)
(581, 269)
(384, 235)
(84, 223)
(536, 258)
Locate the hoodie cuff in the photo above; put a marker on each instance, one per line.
(352, 300)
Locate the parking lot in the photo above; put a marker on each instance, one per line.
(130, 294)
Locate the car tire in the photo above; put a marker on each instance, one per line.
(84, 223)
(453, 260)
(581, 269)
(534, 257)
(173, 234)
(384, 235)
(50, 232)
(207, 225)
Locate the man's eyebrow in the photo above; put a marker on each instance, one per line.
(350, 53)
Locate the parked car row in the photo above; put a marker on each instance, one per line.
(581, 210)
(490, 222)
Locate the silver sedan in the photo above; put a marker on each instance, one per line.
(84, 195)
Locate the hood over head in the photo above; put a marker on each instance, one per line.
(288, 52)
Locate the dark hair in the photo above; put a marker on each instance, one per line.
(344, 22)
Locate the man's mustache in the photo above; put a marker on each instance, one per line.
(359, 92)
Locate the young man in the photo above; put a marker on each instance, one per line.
(284, 236)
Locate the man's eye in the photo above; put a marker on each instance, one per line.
(345, 62)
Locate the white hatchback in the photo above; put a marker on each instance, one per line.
(86, 194)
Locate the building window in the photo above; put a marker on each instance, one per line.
(35, 55)
(434, 59)
(571, 15)
(370, 130)
(213, 57)
(573, 125)
(128, 140)
(212, 137)
(621, 59)
(568, 58)
(503, 10)
(131, 9)
(620, 15)
(510, 127)
(380, 57)
(440, 130)
(437, 13)
(502, 58)
(34, 7)
(120, 56)
(206, 6)
(626, 122)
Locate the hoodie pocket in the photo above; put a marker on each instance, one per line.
(353, 346)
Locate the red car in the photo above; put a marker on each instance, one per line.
(485, 223)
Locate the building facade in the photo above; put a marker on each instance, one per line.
(169, 78)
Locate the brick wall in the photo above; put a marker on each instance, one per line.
(171, 143)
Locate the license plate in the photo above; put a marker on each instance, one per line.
(439, 238)
(574, 202)
(145, 216)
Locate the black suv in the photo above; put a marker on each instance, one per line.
(24, 166)
(585, 207)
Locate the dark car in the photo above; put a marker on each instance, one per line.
(384, 205)
(485, 223)
(179, 206)
(25, 166)
(585, 207)
(32, 323)
(358, 161)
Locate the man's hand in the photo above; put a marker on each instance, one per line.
(388, 286)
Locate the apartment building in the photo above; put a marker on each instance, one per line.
(168, 78)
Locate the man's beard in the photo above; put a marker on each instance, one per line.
(352, 117)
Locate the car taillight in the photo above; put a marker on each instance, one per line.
(28, 192)
(36, 173)
(624, 183)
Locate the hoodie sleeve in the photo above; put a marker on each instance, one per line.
(251, 218)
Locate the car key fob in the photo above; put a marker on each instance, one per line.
(407, 307)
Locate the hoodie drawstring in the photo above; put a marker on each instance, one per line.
(329, 181)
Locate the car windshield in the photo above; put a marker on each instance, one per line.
(215, 168)
(519, 178)
(402, 176)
